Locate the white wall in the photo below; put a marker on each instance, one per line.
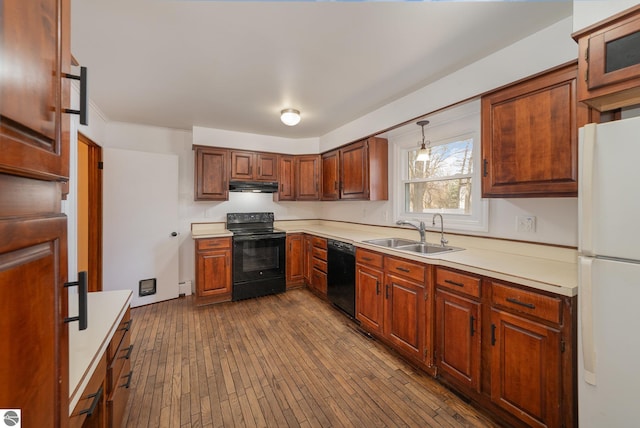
(586, 13)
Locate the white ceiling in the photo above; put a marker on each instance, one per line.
(235, 64)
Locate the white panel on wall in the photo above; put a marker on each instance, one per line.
(140, 208)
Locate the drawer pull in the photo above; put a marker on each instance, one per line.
(82, 317)
(387, 291)
(129, 349)
(471, 322)
(493, 334)
(457, 284)
(96, 400)
(127, 325)
(128, 376)
(367, 259)
(401, 269)
(518, 302)
(377, 288)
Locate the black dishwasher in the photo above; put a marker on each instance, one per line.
(341, 276)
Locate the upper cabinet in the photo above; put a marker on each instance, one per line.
(254, 166)
(286, 190)
(609, 61)
(330, 178)
(211, 174)
(530, 136)
(307, 177)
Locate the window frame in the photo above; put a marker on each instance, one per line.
(455, 124)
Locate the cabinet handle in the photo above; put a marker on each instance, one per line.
(493, 334)
(377, 288)
(387, 292)
(367, 259)
(485, 168)
(129, 349)
(83, 112)
(518, 302)
(127, 325)
(82, 300)
(471, 322)
(401, 269)
(457, 284)
(128, 376)
(96, 400)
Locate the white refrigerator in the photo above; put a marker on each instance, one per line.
(609, 275)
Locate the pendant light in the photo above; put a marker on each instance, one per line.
(423, 153)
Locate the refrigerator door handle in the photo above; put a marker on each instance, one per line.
(586, 318)
(585, 181)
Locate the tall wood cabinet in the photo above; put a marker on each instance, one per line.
(530, 136)
(307, 177)
(34, 152)
(211, 180)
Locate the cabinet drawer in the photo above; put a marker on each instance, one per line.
(369, 258)
(213, 243)
(117, 402)
(405, 268)
(319, 242)
(459, 282)
(92, 395)
(321, 265)
(544, 307)
(123, 328)
(122, 357)
(319, 253)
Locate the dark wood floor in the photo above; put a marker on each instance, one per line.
(277, 361)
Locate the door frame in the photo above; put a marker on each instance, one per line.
(95, 212)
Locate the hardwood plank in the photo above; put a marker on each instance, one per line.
(288, 360)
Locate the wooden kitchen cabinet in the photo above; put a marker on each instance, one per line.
(307, 177)
(34, 167)
(370, 290)
(458, 327)
(286, 190)
(308, 259)
(119, 371)
(213, 270)
(609, 61)
(530, 136)
(319, 265)
(330, 176)
(211, 181)
(363, 170)
(295, 260)
(254, 166)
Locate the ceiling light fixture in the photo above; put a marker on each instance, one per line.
(290, 117)
(423, 153)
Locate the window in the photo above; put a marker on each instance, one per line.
(448, 182)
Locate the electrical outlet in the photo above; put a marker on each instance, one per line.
(526, 223)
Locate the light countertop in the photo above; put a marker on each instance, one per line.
(543, 267)
(105, 311)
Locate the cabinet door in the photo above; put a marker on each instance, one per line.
(308, 259)
(370, 298)
(330, 168)
(319, 281)
(211, 174)
(33, 302)
(307, 177)
(34, 133)
(242, 164)
(295, 264)
(267, 167)
(458, 332)
(404, 315)
(526, 369)
(213, 273)
(354, 171)
(529, 137)
(286, 192)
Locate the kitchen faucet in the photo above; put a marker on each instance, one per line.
(442, 240)
(420, 229)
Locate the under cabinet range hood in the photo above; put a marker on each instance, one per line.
(253, 186)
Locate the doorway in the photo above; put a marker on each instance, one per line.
(90, 211)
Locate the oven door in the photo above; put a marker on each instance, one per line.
(258, 258)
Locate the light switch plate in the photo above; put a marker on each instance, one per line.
(526, 223)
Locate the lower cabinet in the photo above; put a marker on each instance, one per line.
(390, 301)
(295, 260)
(319, 265)
(213, 270)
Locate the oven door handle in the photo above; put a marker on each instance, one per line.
(256, 237)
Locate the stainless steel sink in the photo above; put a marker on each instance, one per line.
(391, 242)
(426, 248)
(411, 246)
